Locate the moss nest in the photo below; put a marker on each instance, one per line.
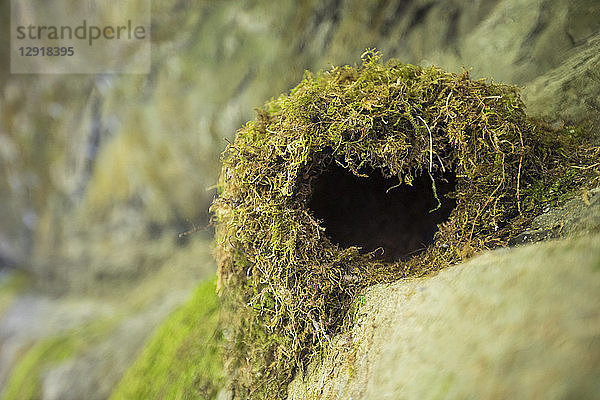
(368, 174)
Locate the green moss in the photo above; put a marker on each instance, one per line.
(558, 167)
(26, 377)
(288, 285)
(183, 360)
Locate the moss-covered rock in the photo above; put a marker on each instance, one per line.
(453, 166)
(183, 359)
(70, 348)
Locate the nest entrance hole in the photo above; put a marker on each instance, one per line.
(358, 211)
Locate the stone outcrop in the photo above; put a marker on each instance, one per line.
(511, 323)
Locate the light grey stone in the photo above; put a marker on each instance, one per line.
(523, 323)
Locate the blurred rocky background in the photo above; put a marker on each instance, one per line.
(100, 173)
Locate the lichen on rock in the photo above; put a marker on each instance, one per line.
(465, 166)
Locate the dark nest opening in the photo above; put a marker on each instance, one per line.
(379, 215)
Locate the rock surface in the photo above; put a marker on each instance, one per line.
(518, 323)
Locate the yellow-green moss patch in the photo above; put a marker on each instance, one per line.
(183, 360)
